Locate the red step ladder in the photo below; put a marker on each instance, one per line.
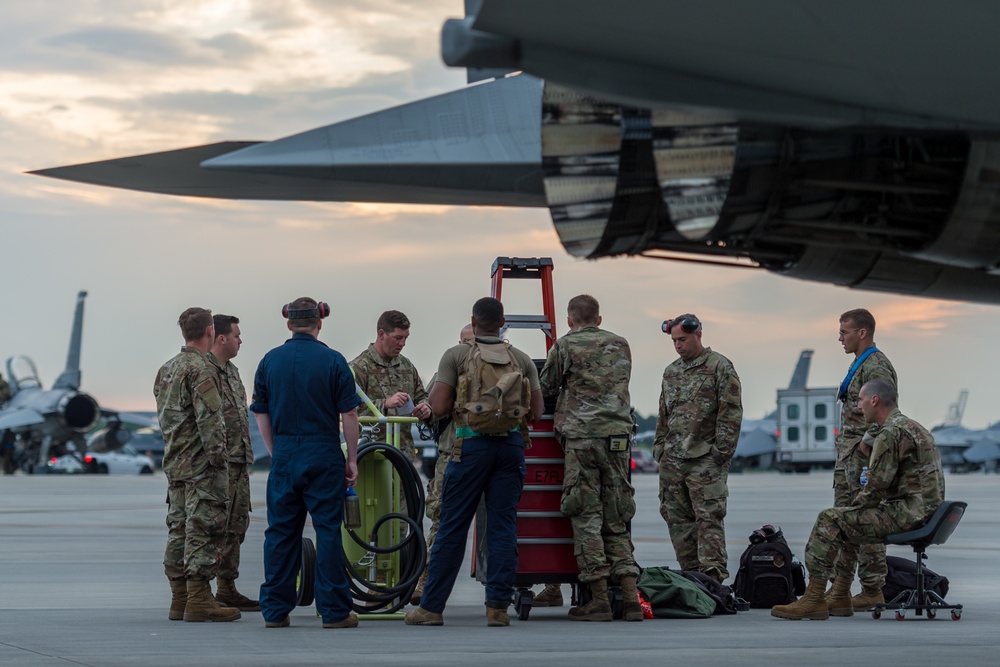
(544, 535)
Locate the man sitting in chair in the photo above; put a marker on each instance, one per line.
(905, 486)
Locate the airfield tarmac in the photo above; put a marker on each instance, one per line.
(81, 583)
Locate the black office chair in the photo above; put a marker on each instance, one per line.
(937, 530)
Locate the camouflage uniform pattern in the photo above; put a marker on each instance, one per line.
(589, 370)
(189, 407)
(869, 559)
(379, 379)
(697, 429)
(905, 487)
(432, 504)
(234, 411)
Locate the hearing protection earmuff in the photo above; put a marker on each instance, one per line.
(688, 324)
(321, 310)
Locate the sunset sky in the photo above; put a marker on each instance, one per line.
(92, 80)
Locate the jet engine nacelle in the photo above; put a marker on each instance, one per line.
(906, 212)
(78, 412)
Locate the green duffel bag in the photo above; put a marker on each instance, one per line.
(672, 595)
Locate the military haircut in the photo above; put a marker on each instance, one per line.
(304, 323)
(193, 322)
(884, 389)
(488, 313)
(391, 320)
(224, 324)
(584, 309)
(861, 318)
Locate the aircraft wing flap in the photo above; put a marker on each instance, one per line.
(18, 417)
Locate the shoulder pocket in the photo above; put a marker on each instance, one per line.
(210, 394)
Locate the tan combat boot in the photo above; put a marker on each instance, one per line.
(178, 599)
(838, 598)
(350, 621)
(421, 616)
(630, 596)
(497, 618)
(201, 606)
(811, 605)
(550, 597)
(227, 596)
(867, 598)
(598, 609)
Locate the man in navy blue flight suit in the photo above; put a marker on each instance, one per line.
(301, 391)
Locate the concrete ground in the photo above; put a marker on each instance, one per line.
(81, 583)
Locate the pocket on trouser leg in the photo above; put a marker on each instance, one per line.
(571, 504)
(624, 503)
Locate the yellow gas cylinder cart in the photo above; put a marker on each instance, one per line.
(385, 555)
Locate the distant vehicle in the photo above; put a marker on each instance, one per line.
(67, 464)
(643, 461)
(125, 461)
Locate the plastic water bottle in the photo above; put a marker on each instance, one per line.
(352, 509)
(864, 476)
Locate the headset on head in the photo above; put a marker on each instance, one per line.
(321, 310)
(688, 324)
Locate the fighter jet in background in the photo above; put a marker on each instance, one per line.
(42, 421)
(853, 143)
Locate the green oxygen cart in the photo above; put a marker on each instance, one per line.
(385, 556)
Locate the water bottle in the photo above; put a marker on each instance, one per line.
(864, 476)
(352, 509)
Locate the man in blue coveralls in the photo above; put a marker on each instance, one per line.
(490, 464)
(301, 391)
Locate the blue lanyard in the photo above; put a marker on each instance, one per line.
(842, 394)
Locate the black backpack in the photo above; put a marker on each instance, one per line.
(767, 574)
(902, 576)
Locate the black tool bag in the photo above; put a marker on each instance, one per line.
(767, 574)
(725, 601)
(902, 576)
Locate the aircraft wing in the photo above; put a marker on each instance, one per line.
(18, 417)
(477, 146)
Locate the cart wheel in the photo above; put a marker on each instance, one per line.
(522, 603)
(900, 615)
(524, 609)
(956, 614)
(932, 613)
(304, 583)
(876, 614)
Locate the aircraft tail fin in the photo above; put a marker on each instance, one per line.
(70, 378)
(800, 378)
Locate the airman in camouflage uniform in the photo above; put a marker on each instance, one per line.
(446, 446)
(390, 379)
(696, 434)
(225, 346)
(189, 406)
(905, 486)
(857, 331)
(589, 370)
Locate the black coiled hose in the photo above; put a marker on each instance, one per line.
(413, 547)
